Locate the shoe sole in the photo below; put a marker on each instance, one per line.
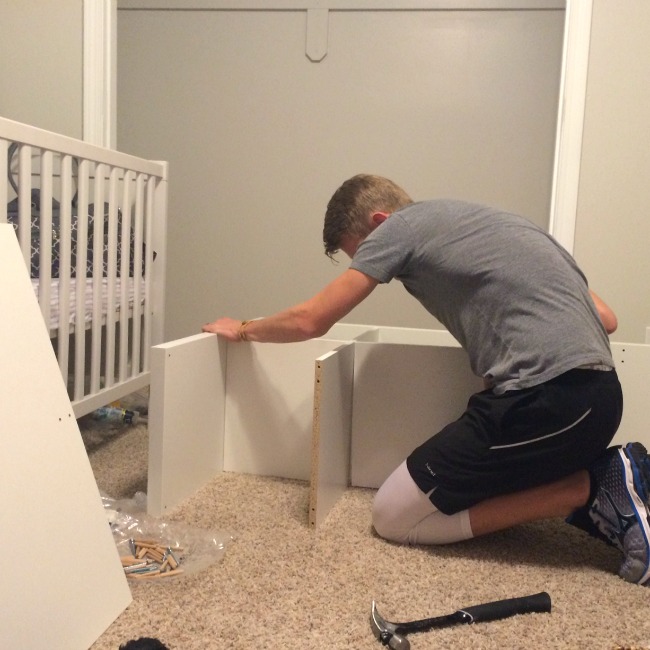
(637, 480)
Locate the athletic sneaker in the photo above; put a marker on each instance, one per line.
(581, 518)
(620, 509)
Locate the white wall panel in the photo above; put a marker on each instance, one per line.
(448, 103)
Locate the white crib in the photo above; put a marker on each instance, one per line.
(91, 223)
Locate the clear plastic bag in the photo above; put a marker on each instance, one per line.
(186, 550)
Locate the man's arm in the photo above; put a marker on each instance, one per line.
(607, 316)
(306, 320)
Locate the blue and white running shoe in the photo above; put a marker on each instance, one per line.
(620, 509)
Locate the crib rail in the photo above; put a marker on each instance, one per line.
(91, 226)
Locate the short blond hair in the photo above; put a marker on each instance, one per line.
(349, 208)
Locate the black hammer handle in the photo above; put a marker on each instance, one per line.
(539, 603)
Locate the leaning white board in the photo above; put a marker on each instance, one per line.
(62, 582)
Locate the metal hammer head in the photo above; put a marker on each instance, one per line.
(385, 631)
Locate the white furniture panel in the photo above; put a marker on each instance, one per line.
(340, 411)
(633, 368)
(407, 336)
(62, 584)
(186, 421)
(269, 407)
(332, 424)
(403, 394)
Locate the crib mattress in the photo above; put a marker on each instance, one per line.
(55, 313)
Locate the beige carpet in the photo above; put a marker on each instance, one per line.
(281, 585)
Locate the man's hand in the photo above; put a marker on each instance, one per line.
(309, 319)
(607, 316)
(226, 327)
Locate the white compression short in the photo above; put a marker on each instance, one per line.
(402, 513)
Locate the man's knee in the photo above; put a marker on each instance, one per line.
(402, 513)
(398, 507)
(386, 521)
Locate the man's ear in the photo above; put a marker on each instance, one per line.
(379, 217)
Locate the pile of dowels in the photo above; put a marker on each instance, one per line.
(151, 559)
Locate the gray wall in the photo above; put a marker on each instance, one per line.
(613, 221)
(334, 129)
(447, 103)
(41, 64)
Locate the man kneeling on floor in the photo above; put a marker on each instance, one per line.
(534, 443)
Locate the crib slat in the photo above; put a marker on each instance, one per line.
(151, 186)
(83, 185)
(4, 151)
(45, 237)
(137, 264)
(65, 248)
(109, 356)
(25, 202)
(159, 250)
(98, 259)
(125, 265)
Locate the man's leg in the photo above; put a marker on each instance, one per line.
(479, 469)
(614, 497)
(558, 499)
(403, 513)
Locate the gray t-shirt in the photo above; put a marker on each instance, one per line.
(505, 289)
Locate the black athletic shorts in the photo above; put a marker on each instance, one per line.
(520, 439)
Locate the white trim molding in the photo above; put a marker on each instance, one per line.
(342, 5)
(99, 72)
(571, 114)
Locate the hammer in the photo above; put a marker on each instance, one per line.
(394, 634)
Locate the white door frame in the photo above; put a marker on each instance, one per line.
(99, 100)
(99, 72)
(570, 122)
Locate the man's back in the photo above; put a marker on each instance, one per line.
(513, 297)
